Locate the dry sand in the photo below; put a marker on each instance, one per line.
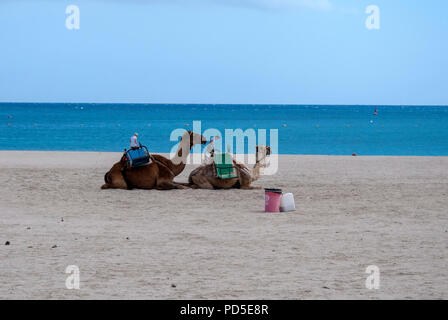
(351, 212)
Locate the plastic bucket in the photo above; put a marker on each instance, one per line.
(272, 198)
(287, 203)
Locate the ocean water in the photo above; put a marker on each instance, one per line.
(324, 130)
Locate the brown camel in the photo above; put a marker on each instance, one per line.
(205, 177)
(158, 174)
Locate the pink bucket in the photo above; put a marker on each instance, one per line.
(272, 199)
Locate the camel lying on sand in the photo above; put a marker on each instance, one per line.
(158, 174)
(205, 177)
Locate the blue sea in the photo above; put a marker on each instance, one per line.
(302, 129)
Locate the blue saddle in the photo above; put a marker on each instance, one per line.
(137, 156)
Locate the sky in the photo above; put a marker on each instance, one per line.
(225, 51)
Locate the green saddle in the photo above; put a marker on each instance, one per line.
(224, 166)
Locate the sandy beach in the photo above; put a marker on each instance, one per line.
(352, 212)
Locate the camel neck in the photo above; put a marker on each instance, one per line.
(180, 159)
(256, 170)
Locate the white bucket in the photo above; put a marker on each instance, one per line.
(287, 202)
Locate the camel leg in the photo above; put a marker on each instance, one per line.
(117, 182)
(245, 184)
(114, 186)
(189, 185)
(168, 186)
(179, 185)
(185, 184)
(249, 187)
(202, 182)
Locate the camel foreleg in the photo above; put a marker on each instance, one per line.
(115, 181)
(249, 187)
(202, 182)
(185, 184)
(168, 186)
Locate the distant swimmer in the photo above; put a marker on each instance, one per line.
(375, 113)
(134, 142)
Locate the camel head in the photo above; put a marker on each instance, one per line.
(194, 138)
(187, 141)
(262, 152)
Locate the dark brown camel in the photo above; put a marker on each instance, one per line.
(158, 174)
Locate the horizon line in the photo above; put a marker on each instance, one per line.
(218, 104)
